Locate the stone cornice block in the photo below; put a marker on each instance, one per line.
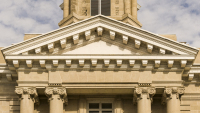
(190, 76)
(137, 43)
(112, 35)
(183, 63)
(55, 63)
(162, 51)
(38, 50)
(94, 62)
(29, 63)
(170, 63)
(125, 39)
(63, 42)
(51, 47)
(149, 48)
(42, 63)
(132, 62)
(76, 38)
(81, 62)
(9, 77)
(119, 62)
(144, 62)
(106, 62)
(99, 31)
(16, 63)
(157, 63)
(68, 62)
(87, 34)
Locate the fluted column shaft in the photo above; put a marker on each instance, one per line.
(171, 98)
(57, 96)
(27, 96)
(144, 97)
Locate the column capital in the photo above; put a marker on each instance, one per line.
(168, 91)
(61, 91)
(139, 91)
(30, 91)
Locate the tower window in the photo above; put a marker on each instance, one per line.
(100, 7)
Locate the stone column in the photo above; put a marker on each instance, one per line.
(144, 98)
(66, 8)
(28, 96)
(134, 9)
(57, 96)
(171, 97)
(127, 6)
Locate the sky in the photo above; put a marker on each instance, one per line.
(180, 17)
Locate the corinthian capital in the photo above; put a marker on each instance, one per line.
(149, 91)
(61, 91)
(168, 92)
(30, 91)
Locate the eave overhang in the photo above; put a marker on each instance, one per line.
(105, 23)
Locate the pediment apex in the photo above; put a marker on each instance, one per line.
(100, 23)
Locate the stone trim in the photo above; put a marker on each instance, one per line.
(49, 91)
(139, 91)
(179, 91)
(31, 91)
(100, 21)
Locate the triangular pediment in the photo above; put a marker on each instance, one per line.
(87, 36)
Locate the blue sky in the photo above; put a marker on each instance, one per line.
(180, 17)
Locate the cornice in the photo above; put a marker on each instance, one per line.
(105, 22)
(100, 56)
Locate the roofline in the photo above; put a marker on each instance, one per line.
(97, 16)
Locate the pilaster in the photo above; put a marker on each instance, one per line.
(57, 96)
(28, 96)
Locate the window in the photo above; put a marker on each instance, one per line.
(100, 7)
(100, 108)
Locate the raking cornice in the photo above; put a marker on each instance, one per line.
(105, 23)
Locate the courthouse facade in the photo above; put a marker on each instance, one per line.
(100, 60)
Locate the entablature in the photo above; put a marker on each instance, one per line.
(100, 62)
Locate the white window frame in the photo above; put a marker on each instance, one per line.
(100, 101)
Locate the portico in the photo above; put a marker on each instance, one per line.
(99, 64)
